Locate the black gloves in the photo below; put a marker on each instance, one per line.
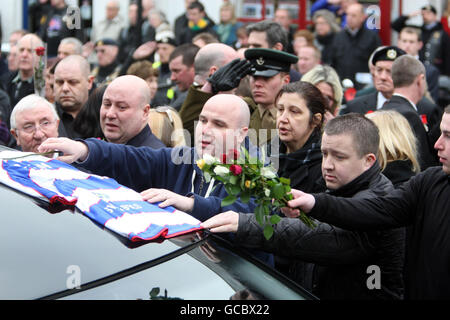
(229, 76)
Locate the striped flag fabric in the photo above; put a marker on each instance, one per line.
(102, 199)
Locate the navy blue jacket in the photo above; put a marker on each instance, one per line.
(143, 168)
(146, 138)
(167, 168)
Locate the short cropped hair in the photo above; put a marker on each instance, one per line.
(405, 70)
(197, 5)
(77, 60)
(413, 30)
(274, 32)
(187, 51)
(78, 45)
(364, 132)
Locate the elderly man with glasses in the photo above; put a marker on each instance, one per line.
(33, 120)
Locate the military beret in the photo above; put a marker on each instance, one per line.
(269, 62)
(107, 42)
(389, 53)
(430, 8)
(166, 37)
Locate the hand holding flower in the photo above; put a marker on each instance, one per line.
(247, 177)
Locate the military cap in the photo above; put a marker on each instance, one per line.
(269, 62)
(429, 8)
(107, 42)
(166, 37)
(389, 53)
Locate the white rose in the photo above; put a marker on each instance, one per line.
(267, 192)
(209, 159)
(266, 172)
(221, 171)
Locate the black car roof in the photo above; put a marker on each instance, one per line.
(40, 242)
(40, 245)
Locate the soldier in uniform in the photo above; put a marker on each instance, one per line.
(271, 73)
(108, 65)
(166, 44)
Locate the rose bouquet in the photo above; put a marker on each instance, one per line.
(245, 177)
(39, 72)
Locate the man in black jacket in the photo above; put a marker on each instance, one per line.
(353, 45)
(422, 203)
(198, 22)
(410, 40)
(342, 258)
(20, 83)
(408, 76)
(72, 84)
(59, 23)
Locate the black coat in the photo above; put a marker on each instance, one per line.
(302, 167)
(432, 74)
(423, 204)
(18, 89)
(427, 155)
(146, 138)
(351, 53)
(325, 43)
(398, 172)
(341, 257)
(187, 34)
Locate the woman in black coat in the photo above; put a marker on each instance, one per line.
(325, 28)
(300, 113)
(300, 109)
(398, 155)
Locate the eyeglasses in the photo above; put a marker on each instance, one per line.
(31, 128)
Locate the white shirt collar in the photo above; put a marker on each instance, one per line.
(381, 99)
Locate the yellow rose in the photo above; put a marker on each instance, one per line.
(249, 184)
(201, 163)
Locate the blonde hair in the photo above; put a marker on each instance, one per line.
(167, 125)
(397, 140)
(325, 73)
(229, 5)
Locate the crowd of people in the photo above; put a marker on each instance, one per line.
(380, 159)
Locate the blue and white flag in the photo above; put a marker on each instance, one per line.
(102, 199)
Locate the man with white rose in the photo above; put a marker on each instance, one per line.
(332, 262)
(170, 176)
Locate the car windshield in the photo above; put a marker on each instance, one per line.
(214, 273)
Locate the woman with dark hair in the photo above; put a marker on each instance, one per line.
(300, 112)
(87, 122)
